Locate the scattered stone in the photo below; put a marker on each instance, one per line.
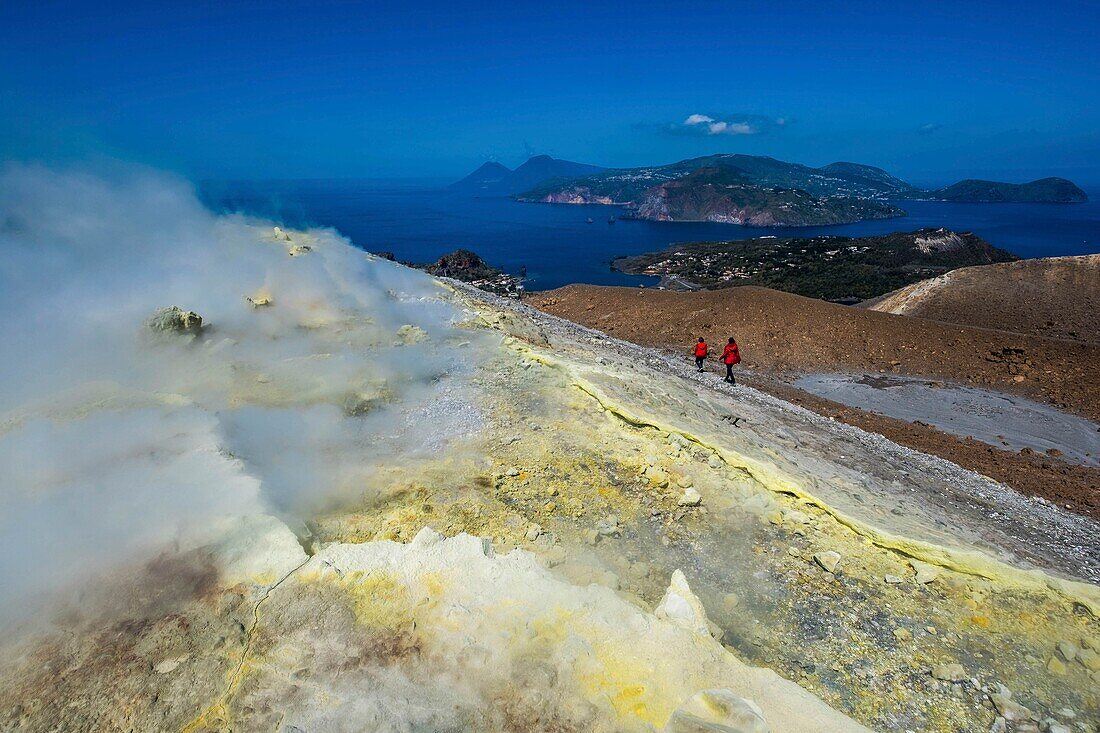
(775, 517)
(549, 506)
(280, 234)
(1008, 708)
(1089, 659)
(1000, 725)
(796, 517)
(952, 672)
(409, 334)
(592, 537)
(656, 477)
(534, 532)
(903, 635)
(1067, 649)
(892, 579)
(175, 320)
(794, 552)
(681, 607)
(513, 472)
(259, 300)
(609, 527)
(552, 491)
(295, 250)
(931, 630)
(730, 601)
(684, 482)
(717, 711)
(690, 497)
(1056, 666)
(925, 573)
(714, 462)
(829, 559)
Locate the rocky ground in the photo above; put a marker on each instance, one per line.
(458, 513)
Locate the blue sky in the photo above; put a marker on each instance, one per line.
(931, 91)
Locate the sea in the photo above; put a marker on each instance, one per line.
(419, 220)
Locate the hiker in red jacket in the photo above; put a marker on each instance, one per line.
(700, 353)
(731, 355)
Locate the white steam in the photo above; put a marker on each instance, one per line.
(115, 442)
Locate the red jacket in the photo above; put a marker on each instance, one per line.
(701, 349)
(731, 354)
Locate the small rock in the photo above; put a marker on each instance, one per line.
(952, 672)
(609, 527)
(690, 497)
(892, 579)
(409, 334)
(1089, 659)
(775, 517)
(714, 462)
(931, 630)
(1007, 707)
(259, 300)
(730, 601)
(796, 517)
(681, 607)
(684, 482)
(794, 552)
(549, 506)
(925, 573)
(513, 472)
(1000, 725)
(1068, 650)
(903, 635)
(534, 532)
(1056, 666)
(592, 537)
(175, 320)
(829, 559)
(717, 711)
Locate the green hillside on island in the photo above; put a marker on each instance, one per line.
(1043, 191)
(826, 267)
(752, 190)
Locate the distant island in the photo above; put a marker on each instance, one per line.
(1042, 191)
(751, 190)
(840, 269)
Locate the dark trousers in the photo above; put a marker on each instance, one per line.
(729, 374)
(699, 362)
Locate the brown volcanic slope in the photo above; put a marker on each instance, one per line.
(1055, 296)
(784, 333)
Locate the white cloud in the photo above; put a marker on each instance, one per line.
(719, 127)
(698, 120)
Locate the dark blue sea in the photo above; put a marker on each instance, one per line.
(419, 221)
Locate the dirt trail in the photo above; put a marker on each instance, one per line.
(782, 335)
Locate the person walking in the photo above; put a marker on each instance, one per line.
(731, 355)
(700, 353)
